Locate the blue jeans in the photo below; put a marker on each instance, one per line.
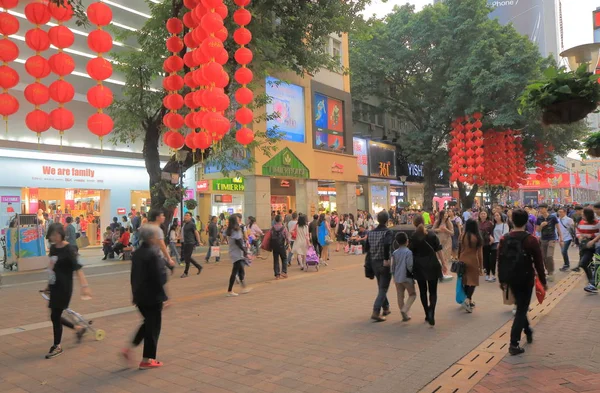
(173, 251)
(384, 278)
(565, 252)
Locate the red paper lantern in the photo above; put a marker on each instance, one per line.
(100, 41)
(189, 41)
(37, 66)
(222, 102)
(242, 36)
(189, 101)
(61, 36)
(99, 69)
(62, 119)
(99, 14)
(8, 4)
(200, 57)
(202, 140)
(243, 56)
(212, 71)
(173, 83)
(190, 4)
(223, 57)
(37, 39)
(173, 64)
(37, 121)
(9, 105)
(9, 24)
(243, 76)
(100, 97)
(211, 3)
(61, 91)
(223, 80)
(242, 17)
(222, 34)
(199, 118)
(37, 13)
(100, 124)
(212, 22)
(189, 141)
(174, 26)
(244, 136)
(37, 94)
(189, 81)
(173, 120)
(242, 3)
(211, 47)
(8, 77)
(61, 12)
(173, 102)
(176, 140)
(244, 115)
(215, 124)
(9, 51)
(61, 64)
(174, 44)
(244, 96)
(189, 20)
(189, 121)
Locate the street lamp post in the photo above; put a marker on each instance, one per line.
(181, 156)
(578, 55)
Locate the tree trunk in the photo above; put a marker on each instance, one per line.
(430, 174)
(467, 200)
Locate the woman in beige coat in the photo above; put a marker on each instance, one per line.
(470, 251)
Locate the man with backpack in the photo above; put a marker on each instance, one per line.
(279, 245)
(519, 260)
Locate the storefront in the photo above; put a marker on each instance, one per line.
(382, 169)
(140, 201)
(220, 196)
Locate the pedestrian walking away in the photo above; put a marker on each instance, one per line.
(501, 228)
(63, 263)
(213, 238)
(379, 242)
(402, 271)
(238, 254)
(191, 238)
(279, 246)
(291, 226)
(470, 252)
(546, 225)
(486, 227)
(148, 278)
(519, 260)
(302, 242)
(173, 239)
(156, 219)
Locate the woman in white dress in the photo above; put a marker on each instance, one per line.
(444, 230)
(302, 241)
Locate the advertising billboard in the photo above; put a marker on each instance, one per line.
(287, 101)
(362, 158)
(328, 115)
(382, 160)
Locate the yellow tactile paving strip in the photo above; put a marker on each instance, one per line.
(462, 376)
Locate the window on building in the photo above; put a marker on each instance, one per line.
(335, 49)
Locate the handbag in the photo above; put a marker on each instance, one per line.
(369, 272)
(540, 292)
(328, 239)
(458, 267)
(461, 296)
(507, 296)
(266, 243)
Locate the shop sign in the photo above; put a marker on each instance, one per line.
(121, 211)
(415, 170)
(285, 164)
(227, 198)
(229, 184)
(284, 184)
(382, 160)
(202, 186)
(336, 167)
(362, 159)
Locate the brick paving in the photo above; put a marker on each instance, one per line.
(309, 333)
(564, 358)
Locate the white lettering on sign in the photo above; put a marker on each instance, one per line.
(49, 170)
(502, 3)
(415, 170)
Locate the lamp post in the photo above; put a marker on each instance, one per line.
(181, 156)
(578, 55)
(404, 188)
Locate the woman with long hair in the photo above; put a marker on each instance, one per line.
(444, 230)
(470, 251)
(501, 228)
(173, 238)
(257, 235)
(237, 253)
(340, 234)
(429, 265)
(324, 236)
(486, 228)
(302, 241)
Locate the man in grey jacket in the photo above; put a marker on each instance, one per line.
(402, 267)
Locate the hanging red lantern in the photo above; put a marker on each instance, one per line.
(37, 39)
(244, 136)
(242, 36)
(190, 4)
(174, 44)
(61, 64)
(61, 91)
(242, 17)
(62, 119)
(9, 105)
(212, 22)
(174, 26)
(223, 57)
(211, 47)
(173, 121)
(202, 140)
(243, 56)
(244, 115)
(173, 83)
(100, 124)
(173, 102)
(100, 97)
(8, 77)
(173, 64)
(99, 14)
(37, 121)
(8, 4)
(9, 51)
(37, 94)
(244, 96)
(61, 36)
(189, 20)
(100, 41)
(222, 81)
(99, 69)
(37, 13)
(189, 141)
(175, 140)
(9, 24)
(212, 71)
(61, 12)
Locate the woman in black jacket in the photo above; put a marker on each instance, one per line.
(148, 277)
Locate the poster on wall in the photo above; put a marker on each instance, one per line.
(287, 101)
(9, 207)
(360, 152)
(328, 115)
(382, 160)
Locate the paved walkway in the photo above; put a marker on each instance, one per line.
(309, 333)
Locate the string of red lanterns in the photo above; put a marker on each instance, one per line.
(543, 160)
(9, 51)
(173, 101)
(243, 75)
(99, 69)
(61, 64)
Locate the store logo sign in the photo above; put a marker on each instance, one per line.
(384, 169)
(50, 170)
(121, 211)
(235, 184)
(337, 167)
(415, 170)
(202, 186)
(285, 164)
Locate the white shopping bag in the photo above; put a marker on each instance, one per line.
(215, 251)
(358, 250)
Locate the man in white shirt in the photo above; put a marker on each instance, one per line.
(566, 226)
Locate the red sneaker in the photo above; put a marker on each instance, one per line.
(151, 364)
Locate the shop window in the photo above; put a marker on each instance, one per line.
(336, 49)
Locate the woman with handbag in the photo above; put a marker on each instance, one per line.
(429, 266)
(470, 252)
(444, 230)
(324, 237)
(501, 228)
(486, 228)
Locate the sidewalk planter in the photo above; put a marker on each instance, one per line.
(592, 144)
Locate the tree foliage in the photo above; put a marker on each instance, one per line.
(428, 67)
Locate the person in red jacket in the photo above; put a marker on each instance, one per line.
(123, 241)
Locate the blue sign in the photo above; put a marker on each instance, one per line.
(237, 163)
(229, 211)
(321, 111)
(287, 102)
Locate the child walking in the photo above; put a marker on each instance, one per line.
(402, 268)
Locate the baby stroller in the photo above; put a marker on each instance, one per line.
(312, 259)
(77, 318)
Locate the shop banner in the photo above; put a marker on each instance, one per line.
(202, 186)
(229, 184)
(329, 122)
(556, 180)
(285, 164)
(69, 200)
(33, 200)
(287, 102)
(9, 206)
(362, 157)
(382, 160)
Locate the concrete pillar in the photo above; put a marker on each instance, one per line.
(307, 196)
(257, 199)
(345, 197)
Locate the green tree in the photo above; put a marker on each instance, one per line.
(428, 67)
(286, 35)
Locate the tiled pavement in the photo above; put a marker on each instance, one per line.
(564, 358)
(309, 333)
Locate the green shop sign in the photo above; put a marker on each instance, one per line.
(229, 184)
(285, 164)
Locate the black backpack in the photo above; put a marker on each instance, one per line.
(277, 239)
(515, 264)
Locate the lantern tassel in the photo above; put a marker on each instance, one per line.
(101, 145)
